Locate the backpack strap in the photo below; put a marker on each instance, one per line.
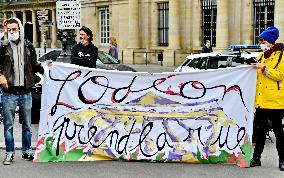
(259, 60)
(279, 59)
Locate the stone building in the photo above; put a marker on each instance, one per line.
(150, 30)
(26, 11)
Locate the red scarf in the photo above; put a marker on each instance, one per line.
(274, 48)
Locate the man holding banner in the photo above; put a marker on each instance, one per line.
(18, 65)
(85, 53)
(269, 100)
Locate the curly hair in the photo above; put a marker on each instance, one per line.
(88, 32)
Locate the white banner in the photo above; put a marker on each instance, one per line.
(200, 117)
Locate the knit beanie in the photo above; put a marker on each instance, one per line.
(270, 34)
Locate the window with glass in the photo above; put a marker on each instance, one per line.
(263, 16)
(104, 25)
(209, 18)
(163, 27)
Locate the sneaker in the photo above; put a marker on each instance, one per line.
(8, 159)
(28, 156)
(255, 161)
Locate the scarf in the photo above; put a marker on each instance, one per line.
(18, 57)
(274, 48)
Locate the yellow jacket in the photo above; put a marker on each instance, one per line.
(270, 84)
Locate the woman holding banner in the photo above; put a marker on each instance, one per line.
(269, 100)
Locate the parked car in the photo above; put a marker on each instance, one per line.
(104, 60)
(215, 60)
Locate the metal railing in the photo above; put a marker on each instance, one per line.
(175, 53)
(146, 55)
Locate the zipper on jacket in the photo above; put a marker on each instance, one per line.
(19, 65)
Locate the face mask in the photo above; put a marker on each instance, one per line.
(264, 47)
(83, 42)
(13, 36)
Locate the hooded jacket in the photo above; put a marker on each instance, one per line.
(31, 65)
(270, 83)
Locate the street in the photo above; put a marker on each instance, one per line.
(125, 169)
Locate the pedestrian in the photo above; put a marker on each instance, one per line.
(207, 47)
(85, 53)
(269, 100)
(113, 48)
(18, 65)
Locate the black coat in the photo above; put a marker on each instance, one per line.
(84, 55)
(205, 49)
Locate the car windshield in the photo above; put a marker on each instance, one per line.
(199, 63)
(50, 55)
(106, 59)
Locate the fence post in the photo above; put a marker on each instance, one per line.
(133, 56)
(122, 56)
(174, 57)
(146, 58)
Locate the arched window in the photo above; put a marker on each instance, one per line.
(263, 16)
(209, 18)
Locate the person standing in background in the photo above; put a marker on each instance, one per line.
(113, 48)
(207, 47)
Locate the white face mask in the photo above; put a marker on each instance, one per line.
(264, 47)
(13, 36)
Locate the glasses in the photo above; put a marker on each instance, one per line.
(12, 29)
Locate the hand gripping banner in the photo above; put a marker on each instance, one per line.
(195, 117)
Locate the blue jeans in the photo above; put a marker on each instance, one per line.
(10, 101)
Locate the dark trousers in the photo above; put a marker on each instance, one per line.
(261, 121)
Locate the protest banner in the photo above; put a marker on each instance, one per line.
(195, 117)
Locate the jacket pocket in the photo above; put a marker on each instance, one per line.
(273, 97)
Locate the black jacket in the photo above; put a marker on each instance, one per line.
(84, 55)
(205, 49)
(31, 64)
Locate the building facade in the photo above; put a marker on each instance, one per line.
(149, 31)
(26, 11)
